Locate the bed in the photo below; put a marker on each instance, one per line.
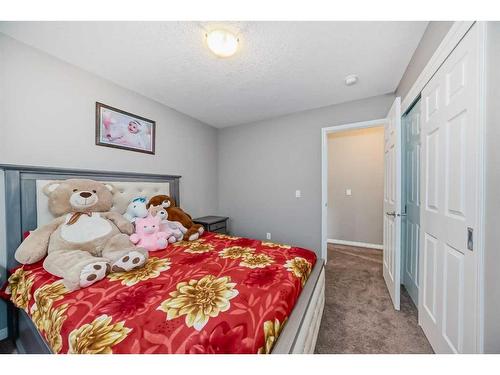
(270, 296)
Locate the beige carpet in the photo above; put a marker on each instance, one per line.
(359, 316)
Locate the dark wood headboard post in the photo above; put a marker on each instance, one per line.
(13, 214)
(20, 203)
(13, 235)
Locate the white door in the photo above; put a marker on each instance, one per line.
(392, 202)
(411, 201)
(448, 217)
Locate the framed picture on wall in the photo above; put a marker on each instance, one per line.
(120, 129)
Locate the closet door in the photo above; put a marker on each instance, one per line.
(449, 137)
(411, 201)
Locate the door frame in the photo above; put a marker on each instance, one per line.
(324, 171)
(450, 41)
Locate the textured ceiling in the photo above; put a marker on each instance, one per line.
(281, 67)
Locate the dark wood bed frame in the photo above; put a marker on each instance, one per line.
(21, 208)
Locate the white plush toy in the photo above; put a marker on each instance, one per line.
(136, 209)
(175, 227)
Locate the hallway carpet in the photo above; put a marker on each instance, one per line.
(359, 316)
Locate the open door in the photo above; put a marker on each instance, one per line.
(392, 202)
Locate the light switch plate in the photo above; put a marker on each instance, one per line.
(348, 192)
(298, 194)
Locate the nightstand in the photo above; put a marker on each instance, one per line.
(216, 224)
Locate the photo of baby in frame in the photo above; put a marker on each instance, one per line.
(120, 129)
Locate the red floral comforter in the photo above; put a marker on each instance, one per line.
(220, 294)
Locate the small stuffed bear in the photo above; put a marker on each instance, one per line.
(166, 225)
(148, 235)
(177, 214)
(136, 209)
(86, 240)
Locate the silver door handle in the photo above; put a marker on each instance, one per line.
(394, 214)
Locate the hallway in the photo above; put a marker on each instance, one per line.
(359, 316)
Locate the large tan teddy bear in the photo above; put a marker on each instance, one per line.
(87, 240)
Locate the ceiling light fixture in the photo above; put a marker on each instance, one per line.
(351, 79)
(222, 43)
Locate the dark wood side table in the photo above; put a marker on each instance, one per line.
(216, 224)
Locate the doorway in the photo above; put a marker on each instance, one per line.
(359, 195)
(392, 204)
(356, 187)
(325, 175)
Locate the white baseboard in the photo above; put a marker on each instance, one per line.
(3, 333)
(358, 244)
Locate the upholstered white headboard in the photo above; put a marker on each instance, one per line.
(27, 205)
(125, 191)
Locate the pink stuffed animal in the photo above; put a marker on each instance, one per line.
(148, 235)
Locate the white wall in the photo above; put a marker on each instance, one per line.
(262, 164)
(356, 162)
(47, 111)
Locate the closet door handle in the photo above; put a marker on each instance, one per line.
(392, 213)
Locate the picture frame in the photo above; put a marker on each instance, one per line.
(124, 130)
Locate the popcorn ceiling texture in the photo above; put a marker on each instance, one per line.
(280, 68)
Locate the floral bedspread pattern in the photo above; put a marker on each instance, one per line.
(219, 294)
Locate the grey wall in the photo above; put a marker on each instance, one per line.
(356, 162)
(47, 109)
(492, 220)
(433, 36)
(262, 164)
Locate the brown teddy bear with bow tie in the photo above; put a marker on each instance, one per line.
(86, 241)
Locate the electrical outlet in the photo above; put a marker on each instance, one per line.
(348, 192)
(268, 236)
(298, 193)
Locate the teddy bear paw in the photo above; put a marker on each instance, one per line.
(194, 236)
(92, 273)
(129, 261)
(201, 230)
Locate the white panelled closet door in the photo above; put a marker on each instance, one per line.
(392, 202)
(448, 275)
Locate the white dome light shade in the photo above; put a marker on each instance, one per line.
(222, 43)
